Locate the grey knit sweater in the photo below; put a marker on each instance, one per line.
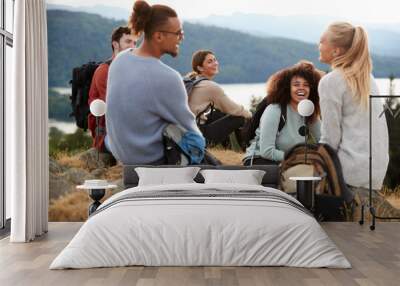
(143, 96)
(345, 127)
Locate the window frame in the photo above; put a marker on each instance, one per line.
(6, 39)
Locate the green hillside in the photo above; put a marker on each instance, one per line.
(75, 38)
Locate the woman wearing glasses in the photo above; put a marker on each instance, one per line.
(344, 96)
(204, 93)
(276, 123)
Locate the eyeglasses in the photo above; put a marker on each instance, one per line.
(179, 33)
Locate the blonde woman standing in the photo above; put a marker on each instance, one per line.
(344, 101)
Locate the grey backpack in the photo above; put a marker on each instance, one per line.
(191, 81)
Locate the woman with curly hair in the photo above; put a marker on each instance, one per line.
(285, 89)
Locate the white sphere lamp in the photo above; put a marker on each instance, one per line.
(305, 107)
(98, 107)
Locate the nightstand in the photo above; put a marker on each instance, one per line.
(305, 191)
(96, 190)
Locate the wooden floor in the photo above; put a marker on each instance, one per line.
(374, 255)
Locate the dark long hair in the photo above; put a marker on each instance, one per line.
(148, 19)
(278, 92)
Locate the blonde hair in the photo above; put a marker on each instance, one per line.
(355, 62)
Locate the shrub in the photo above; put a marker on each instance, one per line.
(59, 142)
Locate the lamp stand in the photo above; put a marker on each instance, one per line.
(305, 139)
(97, 135)
(370, 204)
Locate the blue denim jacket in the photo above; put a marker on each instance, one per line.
(193, 145)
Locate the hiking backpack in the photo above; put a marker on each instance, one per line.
(332, 196)
(81, 81)
(190, 82)
(250, 127)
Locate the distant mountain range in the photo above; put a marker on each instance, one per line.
(384, 39)
(111, 12)
(76, 37)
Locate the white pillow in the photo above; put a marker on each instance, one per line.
(164, 176)
(248, 177)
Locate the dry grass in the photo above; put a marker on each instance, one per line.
(392, 196)
(69, 161)
(394, 201)
(227, 157)
(114, 173)
(395, 193)
(73, 206)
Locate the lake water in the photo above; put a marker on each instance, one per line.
(66, 127)
(241, 93)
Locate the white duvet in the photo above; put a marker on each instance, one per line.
(183, 231)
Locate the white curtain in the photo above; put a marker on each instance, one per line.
(27, 170)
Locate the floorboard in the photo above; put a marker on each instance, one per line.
(374, 255)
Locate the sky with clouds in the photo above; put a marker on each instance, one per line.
(379, 11)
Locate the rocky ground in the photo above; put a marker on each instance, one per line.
(67, 203)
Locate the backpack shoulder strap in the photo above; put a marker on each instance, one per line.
(282, 119)
(210, 107)
(198, 80)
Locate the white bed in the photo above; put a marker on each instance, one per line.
(247, 226)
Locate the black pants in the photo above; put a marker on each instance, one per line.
(219, 126)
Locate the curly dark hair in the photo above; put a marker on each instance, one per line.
(278, 91)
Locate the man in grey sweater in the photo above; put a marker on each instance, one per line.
(144, 95)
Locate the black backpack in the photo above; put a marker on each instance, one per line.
(191, 81)
(250, 127)
(81, 81)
